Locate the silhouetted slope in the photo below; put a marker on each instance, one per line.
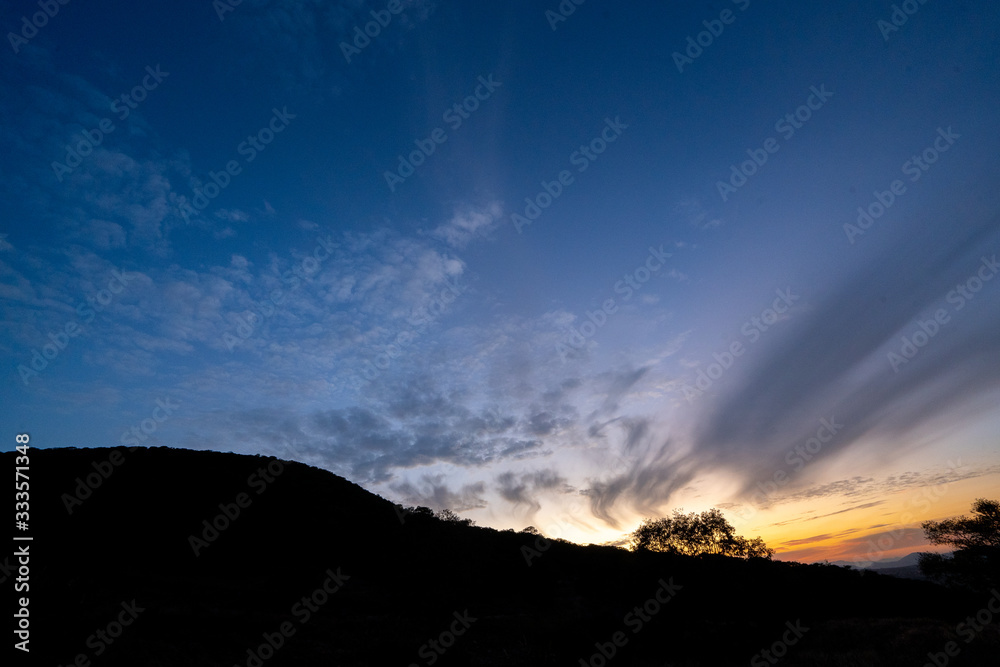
(406, 581)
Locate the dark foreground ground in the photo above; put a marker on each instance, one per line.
(314, 570)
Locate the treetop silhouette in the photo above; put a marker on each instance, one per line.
(696, 534)
(975, 562)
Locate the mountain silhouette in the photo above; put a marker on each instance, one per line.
(884, 563)
(174, 557)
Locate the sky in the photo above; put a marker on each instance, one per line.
(567, 265)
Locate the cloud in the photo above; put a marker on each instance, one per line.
(808, 540)
(522, 490)
(695, 214)
(232, 215)
(105, 235)
(616, 385)
(865, 487)
(875, 546)
(291, 44)
(652, 471)
(432, 492)
(469, 222)
(120, 195)
(833, 363)
(372, 444)
(849, 509)
(422, 419)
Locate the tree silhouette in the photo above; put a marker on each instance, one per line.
(696, 534)
(975, 562)
(451, 516)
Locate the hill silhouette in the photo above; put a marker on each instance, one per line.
(314, 570)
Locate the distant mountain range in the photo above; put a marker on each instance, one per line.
(907, 567)
(153, 557)
(908, 560)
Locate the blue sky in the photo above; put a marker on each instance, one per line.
(290, 240)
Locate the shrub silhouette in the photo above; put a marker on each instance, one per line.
(451, 516)
(976, 561)
(696, 534)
